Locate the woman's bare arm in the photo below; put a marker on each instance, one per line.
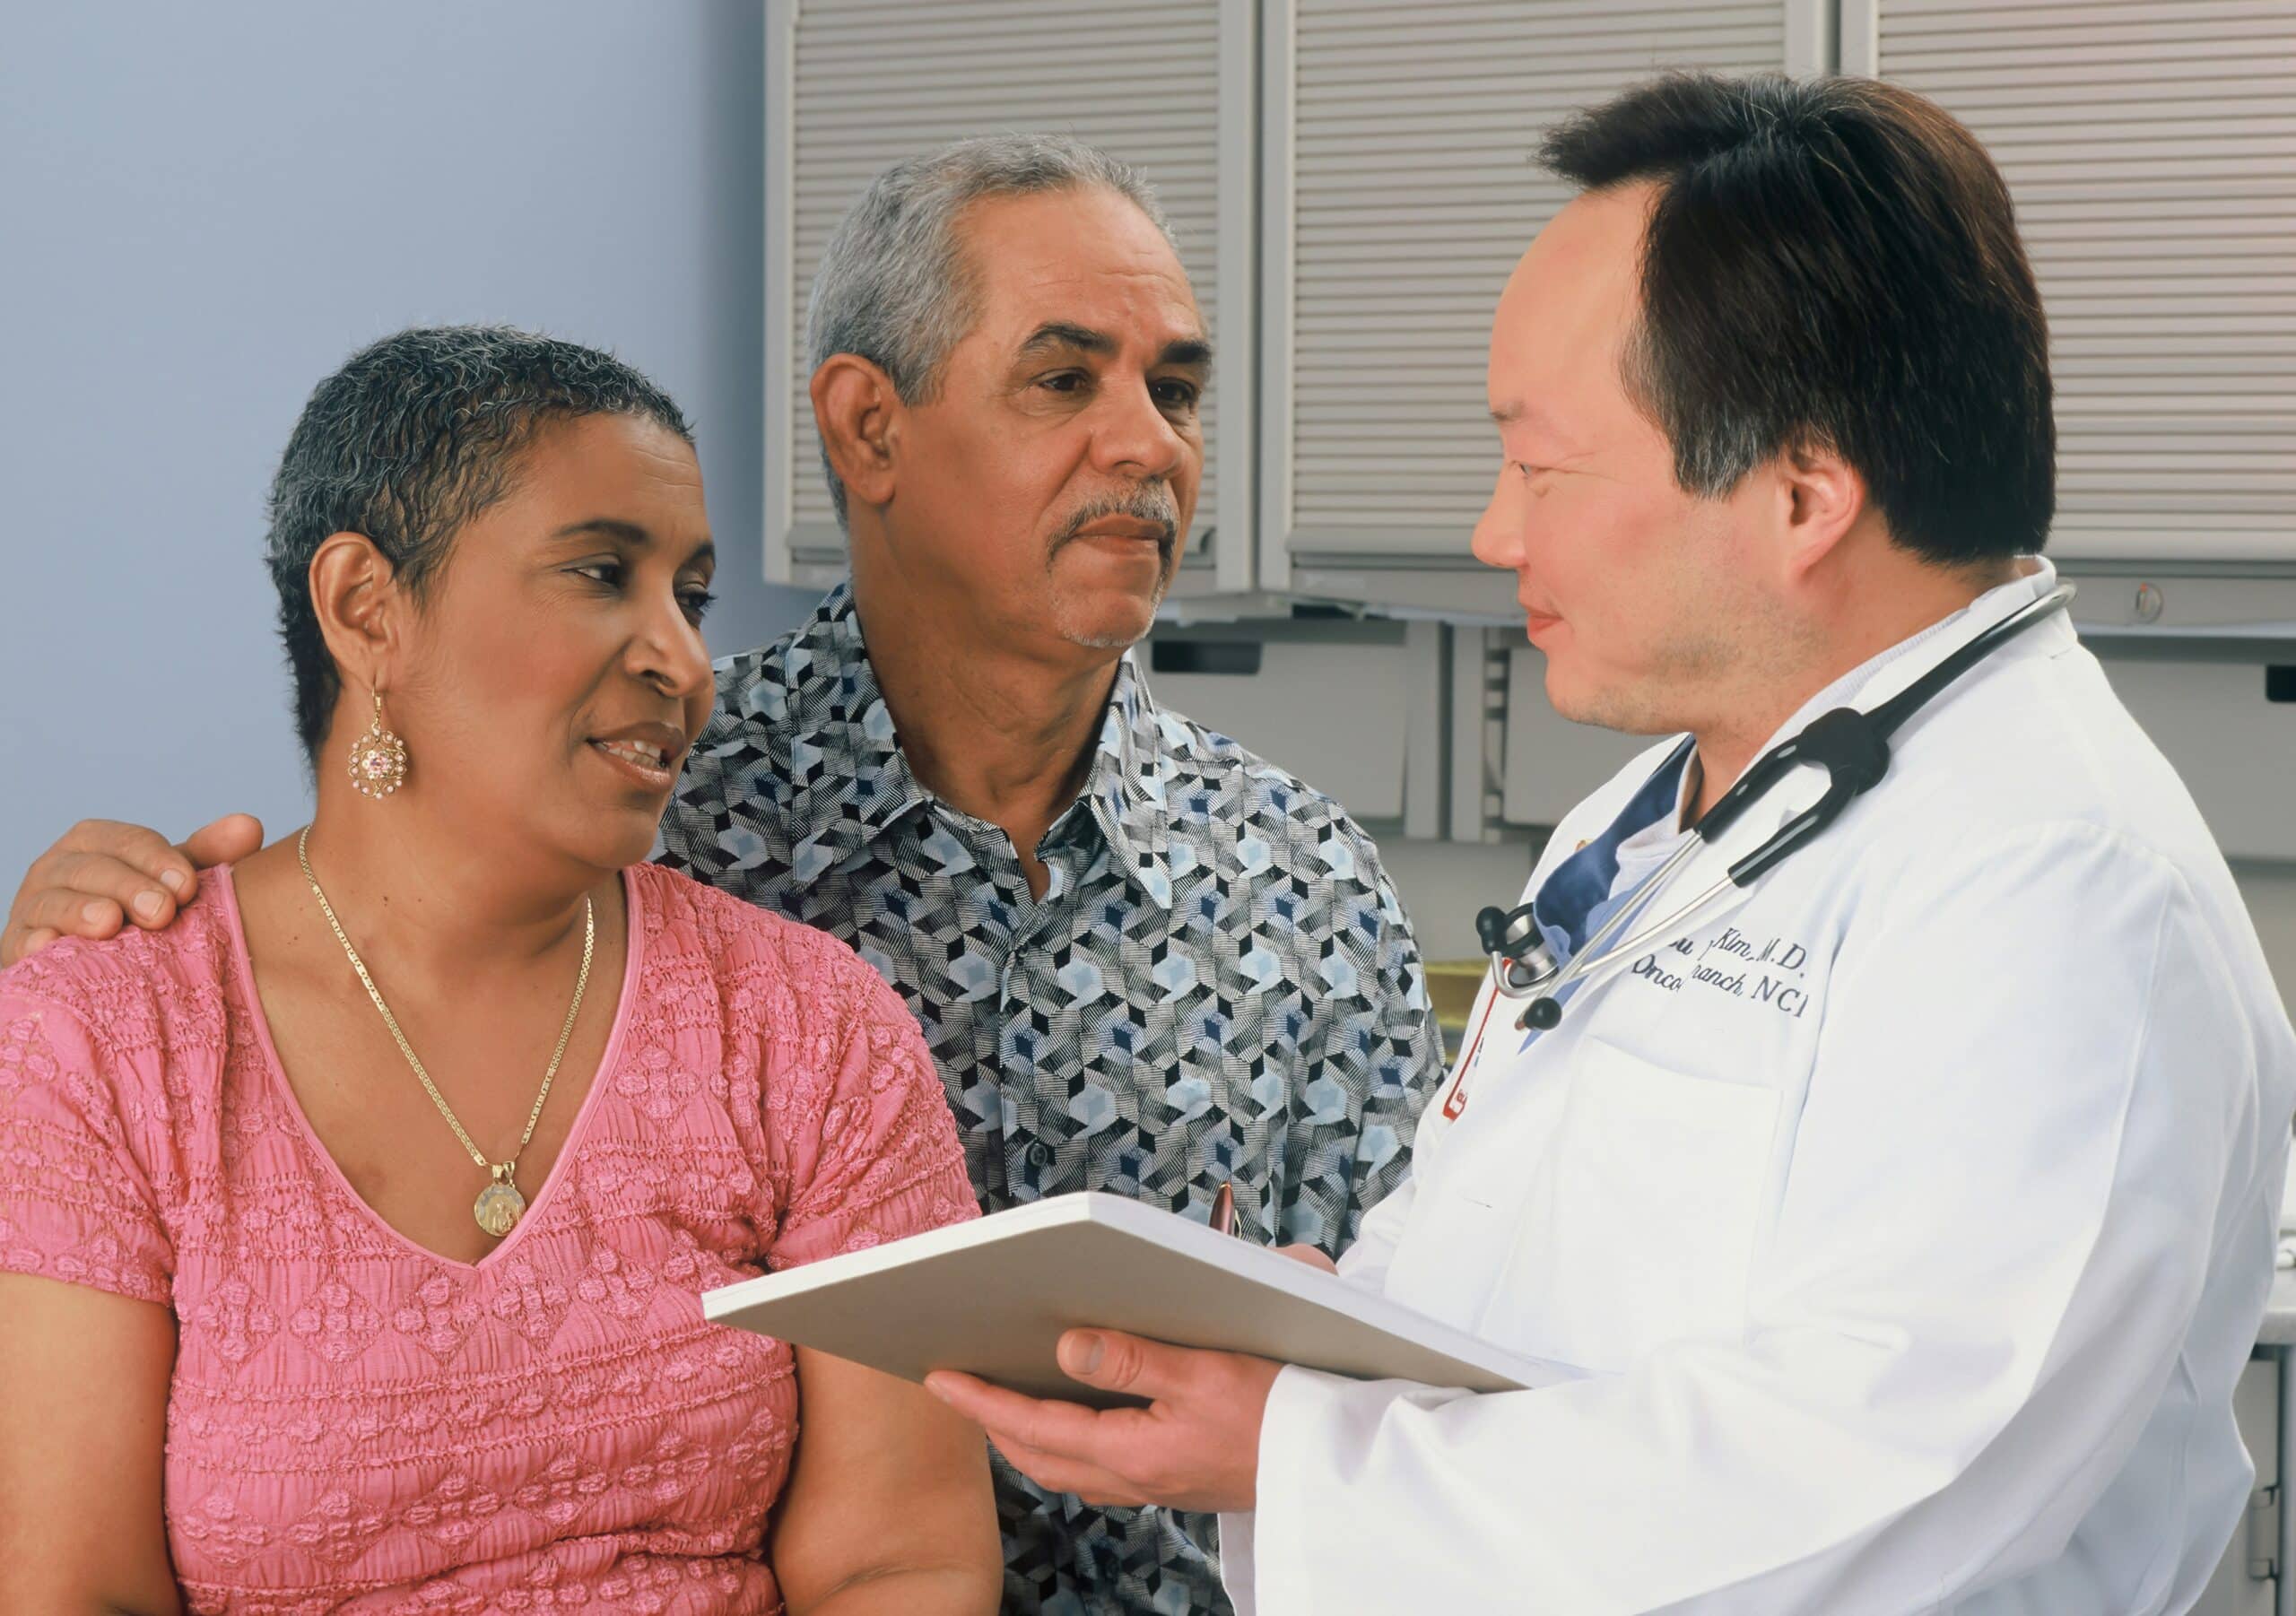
(888, 1507)
(84, 1408)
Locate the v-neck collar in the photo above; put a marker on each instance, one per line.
(276, 1073)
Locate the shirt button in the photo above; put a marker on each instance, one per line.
(1039, 1153)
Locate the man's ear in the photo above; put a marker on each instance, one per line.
(357, 598)
(857, 410)
(1822, 496)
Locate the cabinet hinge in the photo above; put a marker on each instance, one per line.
(2264, 1533)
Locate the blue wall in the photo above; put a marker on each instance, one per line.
(203, 210)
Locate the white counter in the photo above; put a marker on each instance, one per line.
(2279, 1328)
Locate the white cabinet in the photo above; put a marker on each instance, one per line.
(1399, 186)
(2229, 727)
(1354, 708)
(1351, 180)
(853, 86)
(2150, 146)
(2249, 1577)
(1550, 763)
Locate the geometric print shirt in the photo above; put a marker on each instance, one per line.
(1218, 986)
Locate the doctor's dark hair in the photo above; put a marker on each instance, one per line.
(414, 436)
(1833, 262)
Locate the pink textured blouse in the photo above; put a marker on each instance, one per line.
(356, 1424)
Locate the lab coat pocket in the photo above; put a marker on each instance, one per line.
(1643, 1219)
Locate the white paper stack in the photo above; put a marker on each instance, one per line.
(992, 1297)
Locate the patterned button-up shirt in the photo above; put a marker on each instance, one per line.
(1217, 985)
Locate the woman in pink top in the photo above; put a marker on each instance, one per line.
(358, 1314)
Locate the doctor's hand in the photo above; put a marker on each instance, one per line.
(1196, 1445)
(102, 875)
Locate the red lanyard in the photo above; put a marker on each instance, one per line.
(1457, 1100)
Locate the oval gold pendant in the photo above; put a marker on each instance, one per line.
(498, 1208)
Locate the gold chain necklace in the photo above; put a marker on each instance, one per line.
(499, 1206)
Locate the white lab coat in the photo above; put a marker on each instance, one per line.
(1912, 1215)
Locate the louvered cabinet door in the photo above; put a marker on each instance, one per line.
(1400, 188)
(853, 86)
(2150, 146)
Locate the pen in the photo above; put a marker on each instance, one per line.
(1223, 1210)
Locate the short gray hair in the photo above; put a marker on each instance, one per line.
(893, 288)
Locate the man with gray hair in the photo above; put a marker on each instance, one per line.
(1147, 962)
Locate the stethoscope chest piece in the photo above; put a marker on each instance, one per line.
(1526, 967)
(1518, 953)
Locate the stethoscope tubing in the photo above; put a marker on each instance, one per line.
(1548, 983)
(1595, 958)
(1586, 965)
(1650, 937)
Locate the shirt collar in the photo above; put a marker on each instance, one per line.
(852, 783)
(1566, 899)
(846, 778)
(1129, 785)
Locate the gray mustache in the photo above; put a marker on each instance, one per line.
(1151, 503)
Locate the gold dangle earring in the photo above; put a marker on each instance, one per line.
(377, 758)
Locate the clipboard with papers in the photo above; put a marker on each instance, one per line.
(992, 1296)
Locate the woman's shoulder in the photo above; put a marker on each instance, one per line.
(732, 938)
(140, 988)
(113, 1064)
(113, 1058)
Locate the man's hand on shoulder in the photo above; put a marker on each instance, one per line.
(103, 874)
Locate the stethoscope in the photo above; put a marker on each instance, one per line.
(1852, 747)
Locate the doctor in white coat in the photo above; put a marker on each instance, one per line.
(1909, 1216)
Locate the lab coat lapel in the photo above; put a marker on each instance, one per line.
(1864, 688)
